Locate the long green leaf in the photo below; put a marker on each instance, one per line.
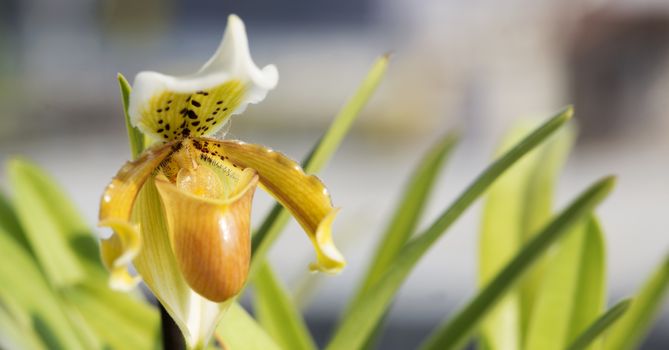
(409, 210)
(633, 327)
(276, 312)
(454, 334)
(590, 299)
(52, 225)
(538, 209)
(501, 237)
(135, 137)
(91, 290)
(356, 325)
(601, 324)
(24, 284)
(10, 223)
(575, 275)
(238, 330)
(16, 331)
(276, 220)
(118, 320)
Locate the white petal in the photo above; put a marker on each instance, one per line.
(227, 83)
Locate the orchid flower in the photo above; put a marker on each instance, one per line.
(180, 212)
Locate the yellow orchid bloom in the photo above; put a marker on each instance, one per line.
(180, 213)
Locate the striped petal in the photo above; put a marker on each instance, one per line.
(210, 237)
(305, 196)
(115, 209)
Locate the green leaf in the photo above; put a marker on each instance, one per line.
(238, 330)
(28, 290)
(573, 290)
(276, 220)
(118, 320)
(16, 331)
(590, 299)
(52, 225)
(601, 324)
(10, 223)
(538, 204)
(516, 207)
(365, 314)
(51, 217)
(501, 237)
(408, 212)
(454, 334)
(135, 137)
(276, 312)
(633, 327)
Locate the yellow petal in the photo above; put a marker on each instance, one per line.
(171, 115)
(118, 251)
(115, 209)
(303, 195)
(210, 237)
(195, 315)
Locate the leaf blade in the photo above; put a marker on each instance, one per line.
(50, 222)
(599, 325)
(276, 312)
(356, 326)
(632, 328)
(557, 314)
(454, 334)
(238, 330)
(135, 137)
(408, 212)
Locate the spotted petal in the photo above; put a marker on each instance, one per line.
(167, 107)
(305, 196)
(115, 210)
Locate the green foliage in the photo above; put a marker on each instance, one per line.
(542, 275)
(600, 325)
(238, 330)
(633, 326)
(276, 312)
(454, 333)
(364, 315)
(135, 137)
(53, 306)
(408, 212)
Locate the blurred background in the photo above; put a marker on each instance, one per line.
(478, 66)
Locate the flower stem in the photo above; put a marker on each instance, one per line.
(172, 338)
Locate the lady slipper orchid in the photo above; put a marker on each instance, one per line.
(180, 212)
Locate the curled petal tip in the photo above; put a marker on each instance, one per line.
(118, 251)
(329, 259)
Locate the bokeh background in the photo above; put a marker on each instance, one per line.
(474, 65)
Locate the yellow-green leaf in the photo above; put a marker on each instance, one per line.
(238, 330)
(408, 212)
(572, 293)
(25, 285)
(455, 332)
(635, 324)
(600, 325)
(135, 137)
(356, 326)
(51, 224)
(276, 312)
